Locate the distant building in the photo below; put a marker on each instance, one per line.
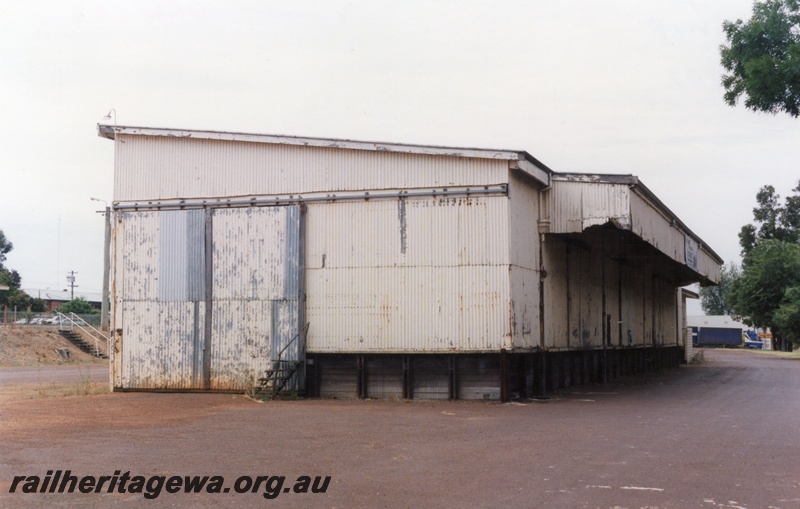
(53, 299)
(716, 321)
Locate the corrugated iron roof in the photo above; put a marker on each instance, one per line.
(110, 131)
(634, 182)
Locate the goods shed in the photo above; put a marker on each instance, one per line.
(342, 268)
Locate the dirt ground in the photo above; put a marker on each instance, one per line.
(53, 381)
(32, 345)
(721, 434)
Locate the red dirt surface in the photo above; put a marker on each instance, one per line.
(31, 345)
(721, 434)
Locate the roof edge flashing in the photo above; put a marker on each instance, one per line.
(105, 131)
(110, 132)
(597, 178)
(539, 173)
(656, 202)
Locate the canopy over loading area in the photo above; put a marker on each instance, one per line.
(638, 228)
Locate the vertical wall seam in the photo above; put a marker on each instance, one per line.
(209, 294)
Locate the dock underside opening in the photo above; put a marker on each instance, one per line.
(627, 248)
(499, 376)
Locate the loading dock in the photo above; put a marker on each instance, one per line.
(385, 270)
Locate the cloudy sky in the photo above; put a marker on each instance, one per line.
(585, 86)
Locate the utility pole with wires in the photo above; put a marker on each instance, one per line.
(72, 285)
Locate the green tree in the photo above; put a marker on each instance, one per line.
(762, 58)
(772, 220)
(14, 297)
(38, 305)
(17, 299)
(716, 300)
(5, 247)
(79, 306)
(787, 316)
(771, 271)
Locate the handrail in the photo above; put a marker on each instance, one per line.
(73, 323)
(303, 332)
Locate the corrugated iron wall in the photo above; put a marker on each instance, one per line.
(640, 308)
(157, 168)
(162, 310)
(524, 261)
(256, 292)
(654, 228)
(412, 275)
(577, 206)
(161, 285)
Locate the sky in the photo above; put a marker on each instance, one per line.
(616, 86)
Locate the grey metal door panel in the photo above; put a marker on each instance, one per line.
(256, 292)
(252, 311)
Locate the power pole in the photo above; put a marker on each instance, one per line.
(72, 285)
(106, 268)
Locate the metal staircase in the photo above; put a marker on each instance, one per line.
(67, 326)
(77, 340)
(277, 379)
(280, 378)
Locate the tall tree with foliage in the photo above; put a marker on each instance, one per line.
(716, 300)
(770, 281)
(772, 220)
(5, 247)
(787, 316)
(762, 58)
(14, 297)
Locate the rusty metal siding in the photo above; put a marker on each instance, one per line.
(631, 317)
(161, 296)
(162, 347)
(116, 276)
(574, 291)
(523, 227)
(162, 338)
(525, 306)
(580, 275)
(665, 302)
(414, 275)
(140, 256)
(255, 292)
(556, 293)
(575, 206)
(613, 289)
(524, 261)
(587, 331)
(154, 168)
